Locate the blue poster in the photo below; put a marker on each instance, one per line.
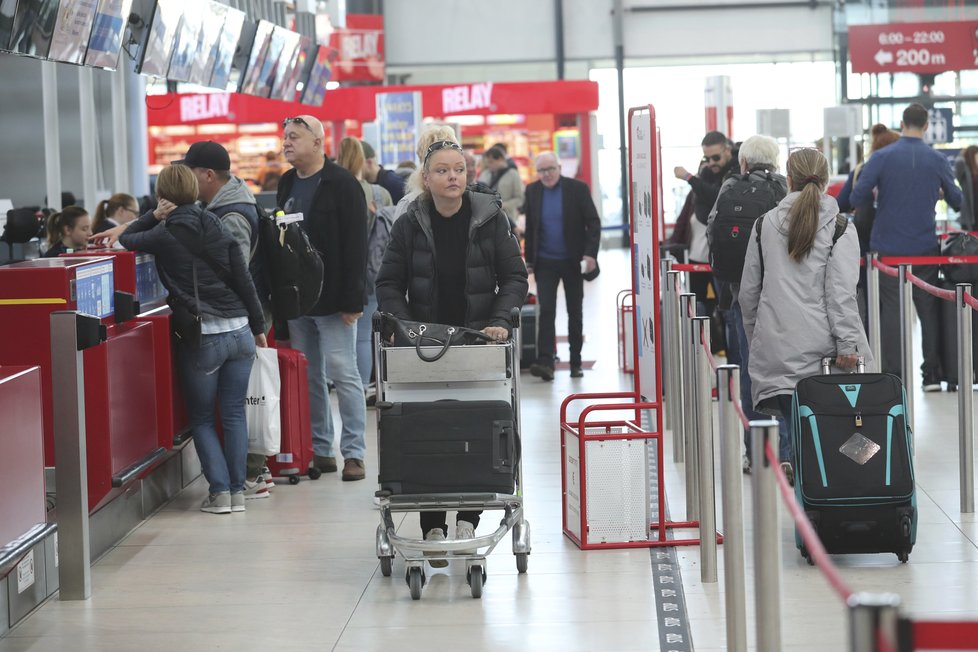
(94, 291)
(398, 126)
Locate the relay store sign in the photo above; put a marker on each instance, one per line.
(204, 107)
(461, 99)
(914, 47)
(361, 49)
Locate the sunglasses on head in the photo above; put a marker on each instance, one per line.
(715, 158)
(295, 121)
(440, 144)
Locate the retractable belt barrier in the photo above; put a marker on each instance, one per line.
(875, 623)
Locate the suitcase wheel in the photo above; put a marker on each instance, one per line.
(903, 556)
(293, 479)
(807, 556)
(314, 473)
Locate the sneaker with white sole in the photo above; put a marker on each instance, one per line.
(238, 502)
(465, 530)
(217, 503)
(266, 475)
(257, 489)
(436, 534)
(746, 464)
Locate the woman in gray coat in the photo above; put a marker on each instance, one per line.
(799, 304)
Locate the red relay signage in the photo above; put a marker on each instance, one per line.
(914, 47)
(360, 46)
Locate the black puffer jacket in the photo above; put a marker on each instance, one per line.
(175, 263)
(495, 275)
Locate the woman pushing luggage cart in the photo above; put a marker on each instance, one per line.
(452, 260)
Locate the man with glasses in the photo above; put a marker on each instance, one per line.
(563, 233)
(330, 206)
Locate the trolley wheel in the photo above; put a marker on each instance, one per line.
(415, 581)
(903, 556)
(522, 560)
(313, 473)
(386, 566)
(293, 479)
(476, 577)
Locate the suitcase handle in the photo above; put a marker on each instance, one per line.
(827, 365)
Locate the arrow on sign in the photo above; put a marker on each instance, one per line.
(883, 57)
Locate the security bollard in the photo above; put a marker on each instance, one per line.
(687, 307)
(767, 540)
(906, 342)
(667, 355)
(873, 622)
(873, 308)
(704, 421)
(674, 285)
(730, 435)
(966, 422)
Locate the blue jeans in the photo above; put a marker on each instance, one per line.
(736, 323)
(330, 345)
(216, 373)
(365, 340)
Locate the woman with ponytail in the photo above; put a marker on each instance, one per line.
(118, 209)
(68, 231)
(798, 291)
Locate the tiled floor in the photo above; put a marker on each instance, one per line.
(298, 571)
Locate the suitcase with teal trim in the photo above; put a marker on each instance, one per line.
(854, 463)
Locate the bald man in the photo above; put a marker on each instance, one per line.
(563, 233)
(332, 205)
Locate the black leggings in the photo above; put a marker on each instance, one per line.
(432, 520)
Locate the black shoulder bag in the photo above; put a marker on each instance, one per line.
(184, 322)
(415, 334)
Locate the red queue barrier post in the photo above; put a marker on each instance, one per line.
(687, 309)
(966, 378)
(626, 332)
(704, 439)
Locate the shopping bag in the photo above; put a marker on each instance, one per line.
(262, 404)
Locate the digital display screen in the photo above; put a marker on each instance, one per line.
(159, 41)
(270, 64)
(7, 9)
(259, 50)
(106, 42)
(185, 44)
(94, 293)
(212, 23)
(148, 285)
(33, 27)
(285, 77)
(224, 49)
(72, 30)
(314, 91)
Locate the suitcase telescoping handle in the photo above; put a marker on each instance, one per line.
(827, 365)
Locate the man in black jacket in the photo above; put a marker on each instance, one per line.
(563, 233)
(330, 205)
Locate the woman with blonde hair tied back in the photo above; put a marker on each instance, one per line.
(798, 291)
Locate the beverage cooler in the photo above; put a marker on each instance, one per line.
(120, 374)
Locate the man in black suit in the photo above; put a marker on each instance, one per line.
(563, 233)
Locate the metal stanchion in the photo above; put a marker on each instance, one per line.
(687, 306)
(673, 282)
(873, 622)
(732, 500)
(966, 422)
(704, 421)
(906, 341)
(873, 308)
(71, 333)
(665, 337)
(767, 540)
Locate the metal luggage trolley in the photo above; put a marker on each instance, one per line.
(476, 372)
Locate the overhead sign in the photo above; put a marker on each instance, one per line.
(361, 49)
(940, 128)
(914, 47)
(398, 126)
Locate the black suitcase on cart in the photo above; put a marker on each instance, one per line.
(528, 335)
(448, 447)
(854, 463)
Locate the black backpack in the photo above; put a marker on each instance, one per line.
(960, 243)
(738, 207)
(294, 267)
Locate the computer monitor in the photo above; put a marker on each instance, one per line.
(157, 46)
(72, 30)
(106, 41)
(314, 90)
(251, 75)
(211, 26)
(285, 75)
(33, 27)
(225, 48)
(271, 62)
(185, 43)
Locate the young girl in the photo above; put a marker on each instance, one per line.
(799, 303)
(68, 231)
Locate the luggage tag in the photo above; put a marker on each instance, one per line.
(859, 448)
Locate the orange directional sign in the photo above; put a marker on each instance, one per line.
(914, 47)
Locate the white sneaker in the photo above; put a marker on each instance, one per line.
(465, 530)
(436, 535)
(746, 464)
(238, 502)
(217, 503)
(257, 489)
(266, 475)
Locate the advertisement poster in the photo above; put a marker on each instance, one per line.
(398, 125)
(644, 206)
(72, 29)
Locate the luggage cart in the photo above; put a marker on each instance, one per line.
(477, 372)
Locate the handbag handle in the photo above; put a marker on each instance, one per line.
(447, 344)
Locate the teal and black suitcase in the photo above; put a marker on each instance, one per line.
(854, 463)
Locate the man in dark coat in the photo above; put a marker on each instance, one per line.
(563, 234)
